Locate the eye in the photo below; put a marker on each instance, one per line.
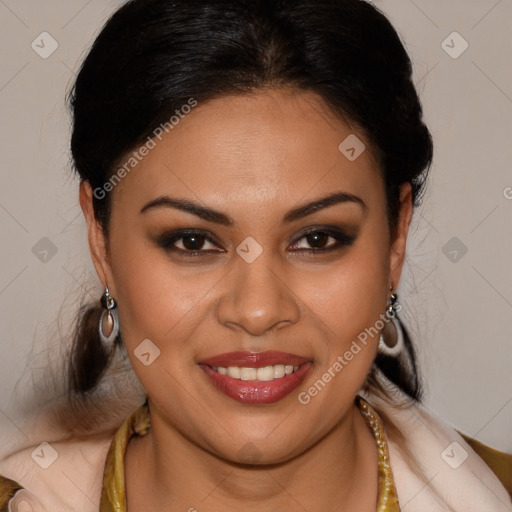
(193, 243)
(324, 240)
(189, 243)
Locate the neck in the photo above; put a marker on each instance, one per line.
(167, 471)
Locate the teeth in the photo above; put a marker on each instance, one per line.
(233, 371)
(266, 373)
(279, 371)
(248, 373)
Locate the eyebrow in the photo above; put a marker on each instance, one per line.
(217, 217)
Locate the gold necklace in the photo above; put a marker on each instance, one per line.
(388, 498)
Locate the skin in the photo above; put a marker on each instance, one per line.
(253, 158)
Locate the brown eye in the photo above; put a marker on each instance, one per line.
(189, 243)
(193, 242)
(318, 239)
(323, 240)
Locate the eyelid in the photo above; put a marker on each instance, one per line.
(321, 229)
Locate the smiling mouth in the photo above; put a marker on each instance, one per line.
(256, 386)
(262, 374)
(256, 377)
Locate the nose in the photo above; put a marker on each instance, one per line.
(257, 298)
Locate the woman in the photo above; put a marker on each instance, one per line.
(248, 175)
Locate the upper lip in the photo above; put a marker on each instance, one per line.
(255, 359)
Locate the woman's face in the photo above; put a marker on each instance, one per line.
(249, 279)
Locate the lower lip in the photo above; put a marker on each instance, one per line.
(256, 391)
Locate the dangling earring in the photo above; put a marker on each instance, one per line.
(108, 324)
(391, 341)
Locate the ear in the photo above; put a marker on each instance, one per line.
(96, 236)
(399, 237)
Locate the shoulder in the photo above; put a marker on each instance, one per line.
(455, 472)
(499, 462)
(55, 476)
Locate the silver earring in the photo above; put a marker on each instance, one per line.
(108, 325)
(391, 341)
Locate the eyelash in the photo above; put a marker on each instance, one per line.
(167, 242)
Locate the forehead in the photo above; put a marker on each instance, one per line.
(268, 145)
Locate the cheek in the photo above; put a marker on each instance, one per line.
(351, 295)
(156, 300)
(158, 303)
(346, 303)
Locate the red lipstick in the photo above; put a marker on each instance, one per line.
(256, 391)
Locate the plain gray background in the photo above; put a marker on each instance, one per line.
(457, 287)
